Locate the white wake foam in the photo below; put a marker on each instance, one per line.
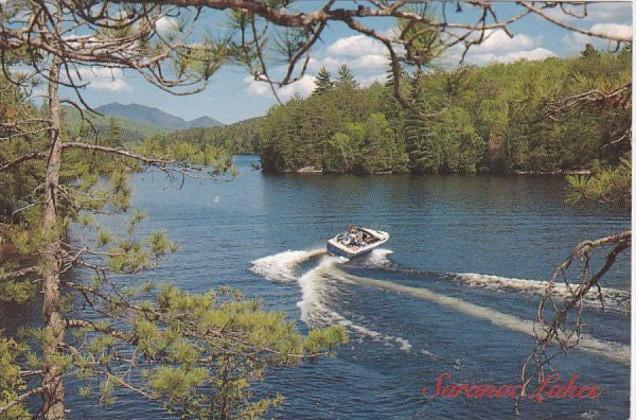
(282, 266)
(401, 342)
(314, 311)
(379, 257)
(314, 288)
(613, 351)
(612, 298)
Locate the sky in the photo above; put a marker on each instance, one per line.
(233, 96)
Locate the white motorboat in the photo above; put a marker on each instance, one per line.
(356, 241)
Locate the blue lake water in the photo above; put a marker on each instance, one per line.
(480, 240)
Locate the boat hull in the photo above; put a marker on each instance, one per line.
(336, 248)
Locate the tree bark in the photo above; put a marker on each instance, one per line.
(53, 395)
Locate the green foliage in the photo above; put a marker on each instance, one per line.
(473, 119)
(606, 185)
(422, 40)
(176, 384)
(11, 382)
(339, 154)
(240, 138)
(453, 143)
(345, 79)
(338, 130)
(323, 81)
(369, 147)
(18, 184)
(17, 291)
(200, 353)
(180, 148)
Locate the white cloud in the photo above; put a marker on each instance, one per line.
(166, 24)
(256, 88)
(498, 47)
(364, 62)
(370, 62)
(613, 29)
(100, 78)
(512, 56)
(355, 46)
(359, 52)
(302, 87)
(575, 41)
(536, 54)
(498, 41)
(330, 63)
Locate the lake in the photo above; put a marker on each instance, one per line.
(448, 293)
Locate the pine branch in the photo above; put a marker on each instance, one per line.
(17, 274)
(104, 329)
(159, 162)
(22, 398)
(24, 158)
(555, 330)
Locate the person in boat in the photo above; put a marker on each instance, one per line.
(353, 237)
(347, 238)
(359, 238)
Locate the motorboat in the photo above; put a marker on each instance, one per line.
(356, 241)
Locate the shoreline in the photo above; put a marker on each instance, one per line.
(311, 170)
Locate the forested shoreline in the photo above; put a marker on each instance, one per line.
(499, 118)
(482, 119)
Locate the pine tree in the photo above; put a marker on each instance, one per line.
(589, 51)
(345, 79)
(323, 81)
(114, 133)
(419, 144)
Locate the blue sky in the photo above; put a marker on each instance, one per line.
(231, 96)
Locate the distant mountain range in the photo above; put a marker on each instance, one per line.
(153, 116)
(131, 131)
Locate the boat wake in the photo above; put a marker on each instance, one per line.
(615, 299)
(616, 352)
(282, 266)
(379, 258)
(315, 291)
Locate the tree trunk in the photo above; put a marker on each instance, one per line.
(53, 398)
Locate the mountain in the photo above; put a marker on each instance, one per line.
(153, 116)
(203, 122)
(131, 131)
